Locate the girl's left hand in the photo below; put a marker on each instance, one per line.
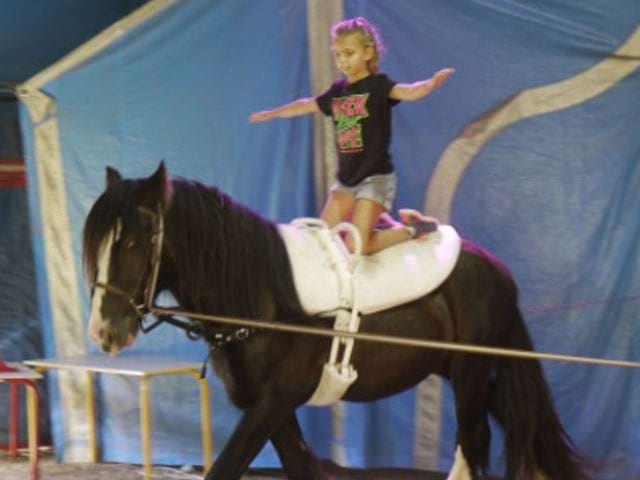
(441, 76)
(259, 117)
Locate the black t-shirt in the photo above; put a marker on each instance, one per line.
(362, 120)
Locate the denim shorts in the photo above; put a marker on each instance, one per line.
(379, 188)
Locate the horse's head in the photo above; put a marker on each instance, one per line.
(120, 237)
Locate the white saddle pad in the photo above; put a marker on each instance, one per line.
(396, 275)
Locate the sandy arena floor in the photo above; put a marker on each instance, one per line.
(20, 469)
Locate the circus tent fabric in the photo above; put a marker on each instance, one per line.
(531, 151)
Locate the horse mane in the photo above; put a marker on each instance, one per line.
(227, 260)
(219, 257)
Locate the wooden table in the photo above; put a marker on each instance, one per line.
(145, 368)
(19, 374)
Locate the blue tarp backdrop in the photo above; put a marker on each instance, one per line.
(34, 34)
(553, 191)
(20, 334)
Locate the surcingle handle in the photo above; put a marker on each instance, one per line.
(338, 373)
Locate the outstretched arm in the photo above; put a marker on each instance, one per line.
(418, 90)
(303, 106)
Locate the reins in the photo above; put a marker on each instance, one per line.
(195, 331)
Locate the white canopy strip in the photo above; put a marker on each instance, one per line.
(94, 46)
(62, 278)
(321, 16)
(526, 104)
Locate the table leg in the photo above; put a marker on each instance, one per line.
(33, 417)
(14, 418)
(205, 419)
(92, 420)
(145, 425)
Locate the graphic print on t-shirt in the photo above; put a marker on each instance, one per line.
(347, 113)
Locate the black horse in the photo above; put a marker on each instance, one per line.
(220, 258)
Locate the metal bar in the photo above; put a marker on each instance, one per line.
(33, 427)
(14, 419)
(403, 341)
(145, 426)
(92, 418)
(205, 423)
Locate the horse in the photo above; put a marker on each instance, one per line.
(221, 258)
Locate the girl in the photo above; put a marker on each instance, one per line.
(361, 108)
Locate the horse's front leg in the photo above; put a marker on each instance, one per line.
(249, 437)
(298, 462)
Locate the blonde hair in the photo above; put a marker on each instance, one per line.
(367, 34)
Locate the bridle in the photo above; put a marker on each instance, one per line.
(193, 330)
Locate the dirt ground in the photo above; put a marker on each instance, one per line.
(20, 469)
(50, 470)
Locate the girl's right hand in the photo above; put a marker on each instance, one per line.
(441, 76)
(259, 117)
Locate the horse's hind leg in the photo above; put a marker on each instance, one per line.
(298, 462)
(470, 377)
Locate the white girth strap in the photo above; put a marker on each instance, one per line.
(338, 373)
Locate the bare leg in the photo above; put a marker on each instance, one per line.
(364, 214)
(365, 218)
(339, 208)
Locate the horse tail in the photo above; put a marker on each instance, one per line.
(535, 441)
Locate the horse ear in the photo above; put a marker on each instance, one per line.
(159, 185)
(113, 176)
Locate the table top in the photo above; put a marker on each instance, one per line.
(140, 366)
(23, 372)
